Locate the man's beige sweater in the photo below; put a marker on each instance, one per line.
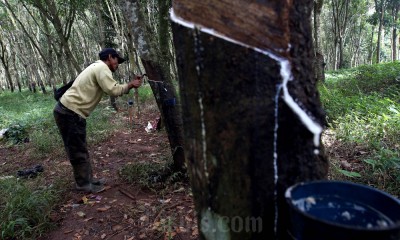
(87, 89)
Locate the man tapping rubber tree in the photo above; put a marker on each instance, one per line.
(75, 106)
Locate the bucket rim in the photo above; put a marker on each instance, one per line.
(289, 201)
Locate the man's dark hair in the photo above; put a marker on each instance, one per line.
(103, 55)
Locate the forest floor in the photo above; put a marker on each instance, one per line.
(124, 210)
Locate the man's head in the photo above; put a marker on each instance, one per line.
(111, 58)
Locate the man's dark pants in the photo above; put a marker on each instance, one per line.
(72, 128)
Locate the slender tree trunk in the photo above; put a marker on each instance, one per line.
(62, 35)
(245, 144)
(371, 51)
(8, 77)
(4, 58)
(17, 78)
(378, 45)
(357, 47)
(340, 10)
(394, 45)
(107, 33)
(319, 64)
(50, 60)
(394, 33)
(343, 27)
(336, 56)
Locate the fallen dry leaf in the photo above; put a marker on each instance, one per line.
(81, 214)
(141, 236)
(181, 229)
(77, 236)
(169, 235)
(195, 232)
(182, 189)
(103, 209)
(117, 228)
(84, 200)
(345, 164)
(65, 163)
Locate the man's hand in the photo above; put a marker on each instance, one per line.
(136, 82)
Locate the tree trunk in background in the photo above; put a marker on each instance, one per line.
(380, 7)
(4, 58)
(170, 111)
(395, 15)
(49, 61)
(233, 130)
(134, 67)
(356, 59)
(372, 49)
(63, 31)
(17, 78)
(147, 45)
(340, 14)
(8, 77)
(107, 38)
(319, 64)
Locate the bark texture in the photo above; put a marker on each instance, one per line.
(228, 95)
(262, 24)
(159, 75)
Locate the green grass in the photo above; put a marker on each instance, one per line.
(25, 209)
(363, 110)
(26, 205)
(145, 93)
(31, 116)
(148, 175)
(154, 176)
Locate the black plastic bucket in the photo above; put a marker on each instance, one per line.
(335, 210)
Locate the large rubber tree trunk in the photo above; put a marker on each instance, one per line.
(246, 138)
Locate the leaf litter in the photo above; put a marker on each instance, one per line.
(123, 210)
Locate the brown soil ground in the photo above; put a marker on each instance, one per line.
(123, 211)
(126, 211)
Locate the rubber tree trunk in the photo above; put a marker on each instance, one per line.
(319, 57)
(245, 142)
(146, 43)
(169, 106)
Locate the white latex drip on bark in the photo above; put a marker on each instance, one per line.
(286, 74)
